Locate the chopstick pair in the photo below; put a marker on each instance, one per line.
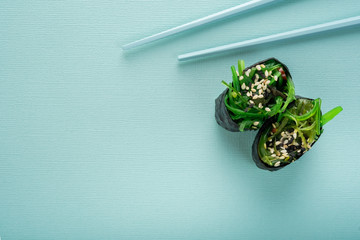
(242, 8)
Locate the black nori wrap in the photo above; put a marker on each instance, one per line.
(221, 113)
(255, 154)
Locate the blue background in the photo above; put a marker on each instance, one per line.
(96, 143)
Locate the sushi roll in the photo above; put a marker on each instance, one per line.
(255, 94)
(286, 137)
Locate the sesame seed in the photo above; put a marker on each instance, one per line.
(270, 72)
(260, 105)
(248, 94)
(241, 77)
(283, 151)
(286, 141)
(271, 150)
(258, 67)
(294, 135)
(257, 83)
(273, 155)
(247, 73)
(251, 101)
(282, 134)
(256, 123)
(237, 72)
(261, 91)
(255, 96)
(262, 66)
(247, 88)
(267, 109)
(259, 86)
(267, 82)
(277, 142)
(282, 157)
(266, 73)
(261, 96)
(277, 164)
(256, 77)
(243, 86)
(253, 90)
(275, 78)
(274, 126)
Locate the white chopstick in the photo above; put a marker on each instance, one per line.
(242, 8)
(272, 38)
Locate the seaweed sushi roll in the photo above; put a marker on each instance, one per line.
(255, 94)
(286, 137)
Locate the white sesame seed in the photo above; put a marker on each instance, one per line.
(248, 94)
(285, 146)
(255, 97)
(262, 66)
(258, 67)
(277, 164)
(283, 134)
(267, 82)
(271, 150)
(251, 101)
(237, 72)
(261, 96)
(262, 80)
(257, 83)
(261, 91)
(273, 155)
(259, 86)
(299, 150)
(275, 78)
(277, 143)
(283, 151)
(274, 126)
(260, 105)
(243, 86)
(247, 88)
(286, 141)
(256, 77)
(282, 157)
(270, 72)
(256, 123)
(247, 73)
(294, 135)
(267, 109)
(253, 90)
(266, 73)
(241, 77)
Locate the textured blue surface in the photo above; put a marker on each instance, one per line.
(101, 144)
